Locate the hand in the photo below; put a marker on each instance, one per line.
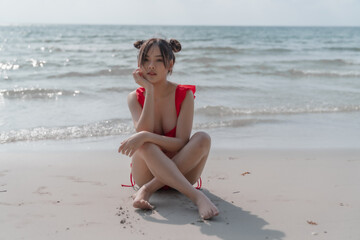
(140, 80)
(129, 146)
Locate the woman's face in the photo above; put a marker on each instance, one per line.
(154, 67)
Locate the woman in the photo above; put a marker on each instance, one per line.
(162, 151)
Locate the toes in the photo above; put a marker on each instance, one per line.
(215, 211)
(146, 205)
(142, 204)
(209, 214)
(150, 206)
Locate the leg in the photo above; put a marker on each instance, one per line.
(190, 162)
(141, 175)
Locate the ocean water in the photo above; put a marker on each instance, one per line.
(257, 87)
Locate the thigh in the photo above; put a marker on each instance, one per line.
(140, 170)
(192, 158)
(194, 174)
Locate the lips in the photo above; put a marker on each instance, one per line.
(151, 73)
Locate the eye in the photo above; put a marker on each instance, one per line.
(160, 60)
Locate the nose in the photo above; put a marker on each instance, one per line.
(151, 66)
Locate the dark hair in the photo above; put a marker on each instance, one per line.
(167, 49)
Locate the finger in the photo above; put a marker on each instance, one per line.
(132, 153)
(121, 147)
(128, 152)
(135, 74)
(124, 150)
(121, 151)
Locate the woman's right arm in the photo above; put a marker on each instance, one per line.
(143, 118)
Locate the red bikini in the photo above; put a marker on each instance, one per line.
(180, 95)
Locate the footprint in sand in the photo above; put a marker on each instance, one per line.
(79, 180)
(3, 173)
(42, 191)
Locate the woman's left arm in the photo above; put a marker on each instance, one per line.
(170, 144)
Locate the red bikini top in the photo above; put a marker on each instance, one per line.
(180, 95)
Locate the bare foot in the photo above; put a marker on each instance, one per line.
(141, 199)
(206, 208)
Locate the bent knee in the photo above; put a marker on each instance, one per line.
(203, 139)
(146, 148)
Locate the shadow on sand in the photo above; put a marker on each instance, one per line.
(232, 223)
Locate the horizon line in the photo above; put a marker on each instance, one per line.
(168, 25)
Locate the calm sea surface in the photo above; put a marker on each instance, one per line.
(256, 86)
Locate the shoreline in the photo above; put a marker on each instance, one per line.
(261, 194)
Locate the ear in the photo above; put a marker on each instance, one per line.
(171, 65)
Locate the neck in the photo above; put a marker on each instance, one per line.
(160, 88)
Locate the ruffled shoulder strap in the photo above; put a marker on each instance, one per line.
(140, 95)
(180, 95)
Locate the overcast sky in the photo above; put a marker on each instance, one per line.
(183, 12)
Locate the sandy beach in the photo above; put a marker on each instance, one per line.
(261, 194)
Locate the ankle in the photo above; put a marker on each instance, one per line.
(147, 189)
(198, 197)
(153, 186)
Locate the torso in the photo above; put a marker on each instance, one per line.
(167, 107)
(165, 112)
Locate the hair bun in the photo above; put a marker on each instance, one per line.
(138, 44)
(175, 45)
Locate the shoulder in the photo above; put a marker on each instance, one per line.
(185, 103)
(137, 96)
(187, 87)
(187, 95)
(132, 96)
(186, 90)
